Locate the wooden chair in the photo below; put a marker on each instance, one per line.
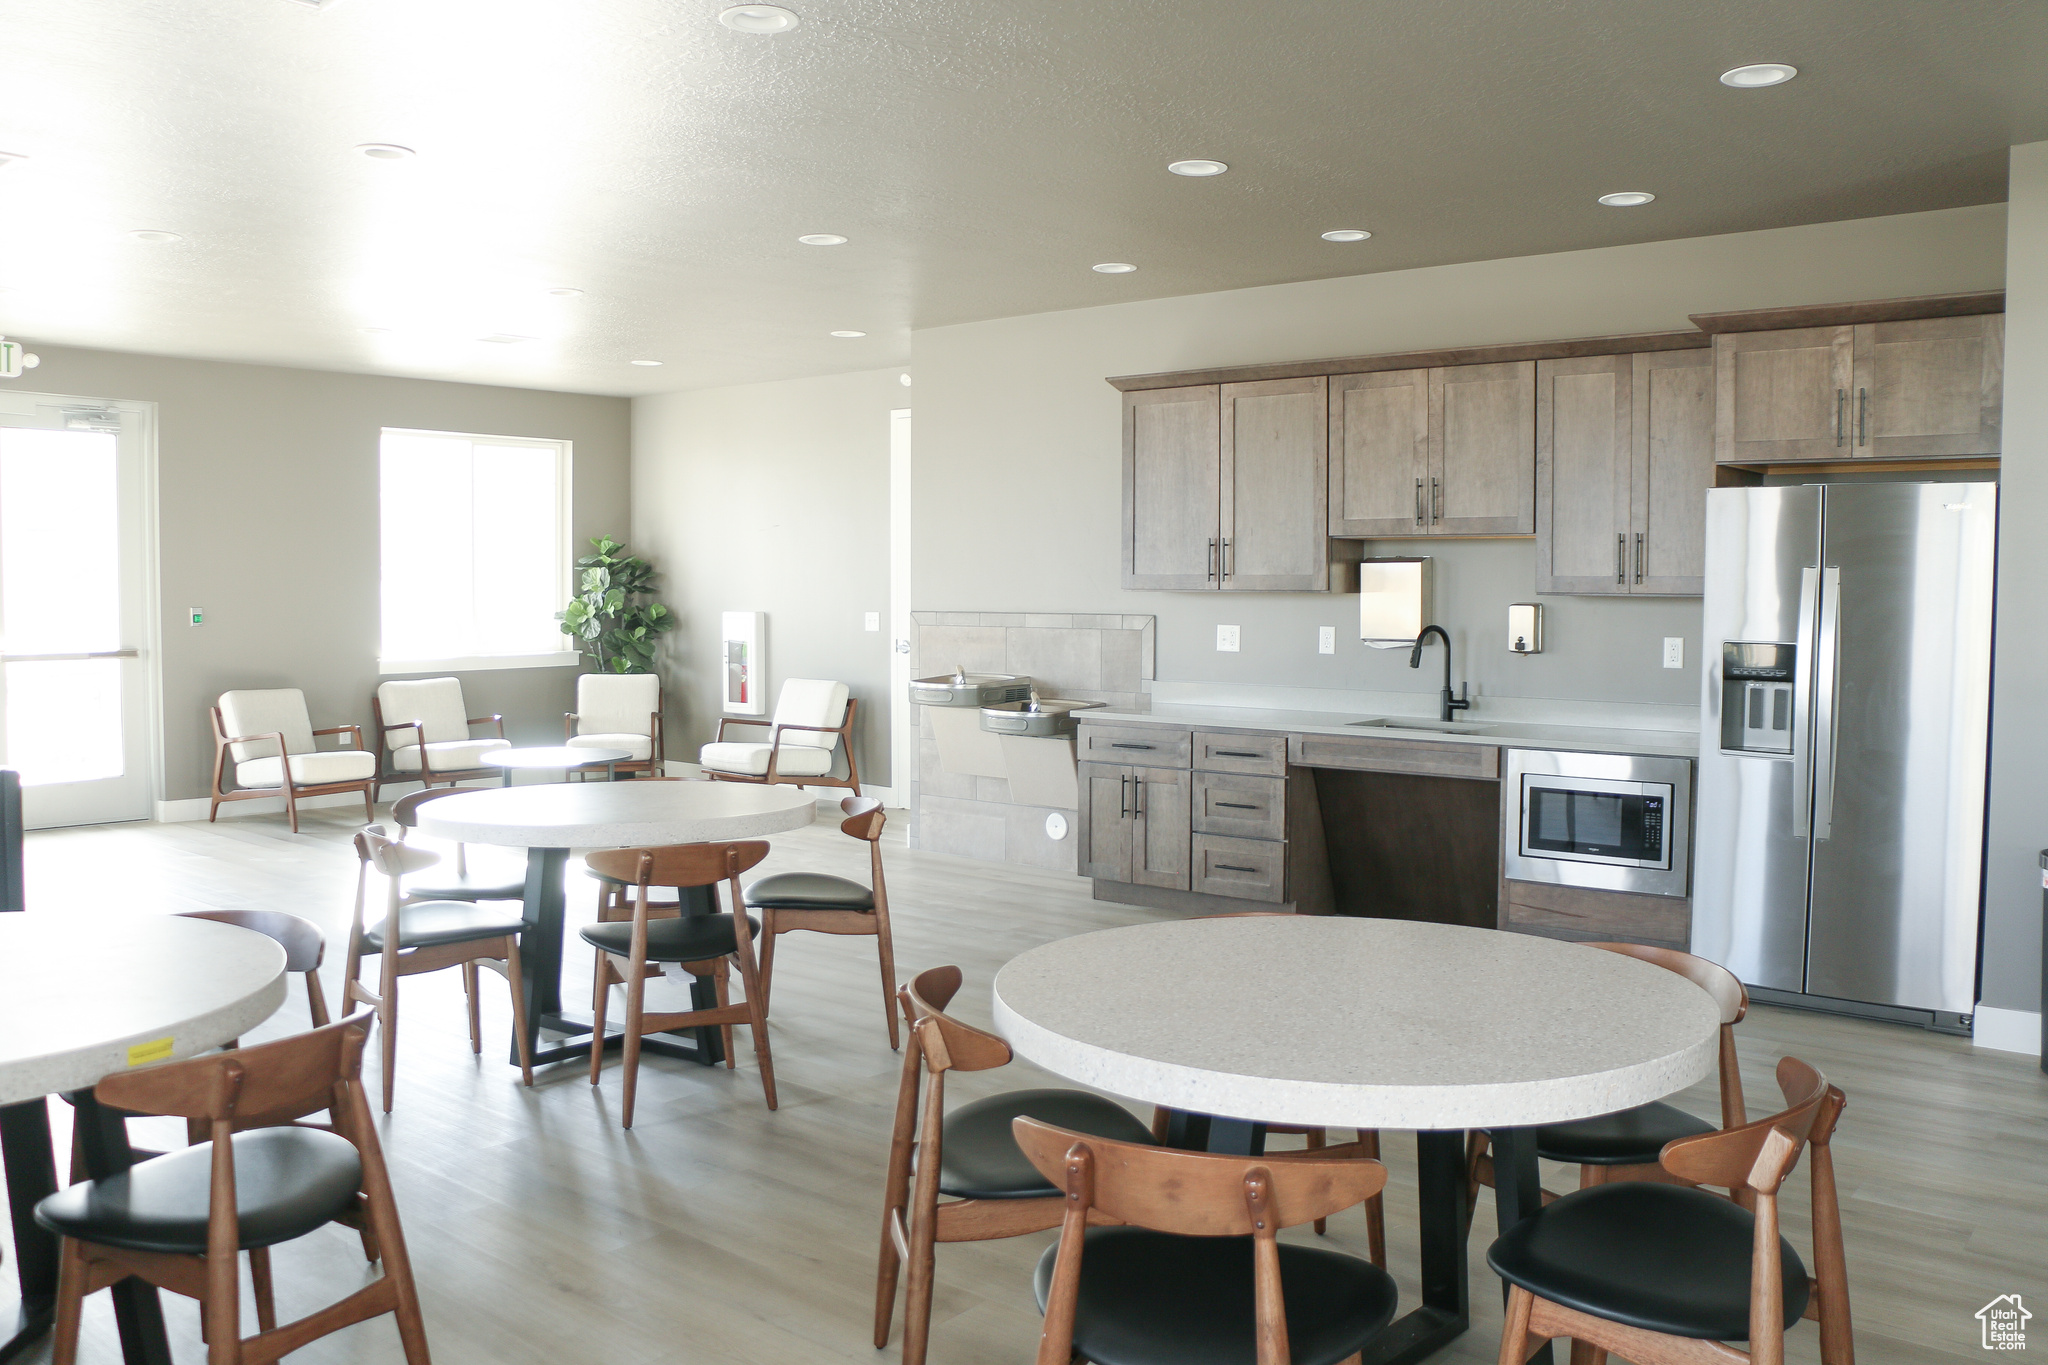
(700, 943)
(1196, 1271)
(305, 947)
(429, 742)
(1625, 1145)
(461, 882)
(970, 1156)
(431, 935)
(1665, 1275)
(618, 711)
(812, 718)
(269, 736)
(180, 1221)
(822, 904)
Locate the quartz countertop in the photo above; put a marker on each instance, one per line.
(1507, 734)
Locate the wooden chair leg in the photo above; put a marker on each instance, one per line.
(721, 985)
(316, 1000)
(757, 1024)
(1478, 1171)
(387, 1020)
(1514, 1335)
(917, 1293)
(1375, 1207)
(291, 803)
(369, 807)
(600, 999)
(71, 1281)
(765, 952)
(515, 977)
(636, 993)
(260, 1282)
(1318, 1139)
(476, 1023)
(1586, 1353)
(885, 947)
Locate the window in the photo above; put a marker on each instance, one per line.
(475, 551)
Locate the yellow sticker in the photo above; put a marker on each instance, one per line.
(155, 1050)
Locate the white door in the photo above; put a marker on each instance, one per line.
(75, 710)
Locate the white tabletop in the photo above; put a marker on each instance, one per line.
(85, 995)
(1339, 1022)
(617, 814)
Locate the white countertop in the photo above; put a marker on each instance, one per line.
(1508, 734)
(1335, 1022)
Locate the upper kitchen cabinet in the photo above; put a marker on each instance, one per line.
(1915, 388)
(1448, 451)
(1225, 487)
(1624, 458)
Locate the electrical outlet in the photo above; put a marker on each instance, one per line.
(1326, 639)
(874, 620)
(1226, 639)
(1674, 651)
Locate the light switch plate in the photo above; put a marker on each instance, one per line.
(1326, 639)
(1226, 639)
(874, 620)
(1674, 651)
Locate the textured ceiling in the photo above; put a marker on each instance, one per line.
(981, 155)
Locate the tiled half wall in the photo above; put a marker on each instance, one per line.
(1084, 657)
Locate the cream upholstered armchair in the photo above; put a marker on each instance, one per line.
(811, 719)
(423, 734)
(618, 711)
(269, 737)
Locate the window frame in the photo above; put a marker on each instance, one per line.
(566, 655)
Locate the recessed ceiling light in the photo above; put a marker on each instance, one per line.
(1347, 235)
(849, 336)
(565, 292)
(1627, 199)
(1758, 75)
(1199, 166)
(643, 362)
(506, 338)
(822, 239)
(758, 19)
(385, 151)
(154, 235)
(1113, 268)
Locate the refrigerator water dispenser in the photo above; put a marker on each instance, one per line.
(1756, 697)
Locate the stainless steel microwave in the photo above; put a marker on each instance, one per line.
(1609, 822)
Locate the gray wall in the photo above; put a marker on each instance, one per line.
(1018, 455)
(2019, 734)
(267, 518)
(772, 498)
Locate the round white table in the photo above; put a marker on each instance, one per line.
(548, 820)
(85, 995)
(1331, 1021)
(563, 757)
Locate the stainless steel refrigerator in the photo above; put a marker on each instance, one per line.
(1843, 743)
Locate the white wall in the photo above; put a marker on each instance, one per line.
(773, 498)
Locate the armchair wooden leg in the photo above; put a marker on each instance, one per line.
(369, 806)
(291, 803)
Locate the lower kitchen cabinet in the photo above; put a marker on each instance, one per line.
(1243, 869)
(1135, 824)
(1585, 915)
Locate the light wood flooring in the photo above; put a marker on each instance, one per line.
(718, 1232)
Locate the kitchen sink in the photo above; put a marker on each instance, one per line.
(1442, 727)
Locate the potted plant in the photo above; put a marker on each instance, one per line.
(612, 612)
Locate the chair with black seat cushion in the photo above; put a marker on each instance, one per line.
(1194, 1273)
(969, 1156)
(430, 935)
(1624, 1145)
(701, 944)
(1663, 1273)
(489, 881)
(824, 904)
(181, 1221)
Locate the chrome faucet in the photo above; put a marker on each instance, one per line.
(1451, 703)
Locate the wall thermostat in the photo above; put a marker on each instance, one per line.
(1525, 628)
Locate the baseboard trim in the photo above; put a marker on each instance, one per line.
(2007, 1030)
(195, 808)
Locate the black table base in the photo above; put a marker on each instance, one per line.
(1445, 1310)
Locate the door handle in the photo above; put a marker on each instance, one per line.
(1827, 682)
(1212, 558)
(1418, 502)
(1639, 556)
(1841, 401)
(1621, 559)
(1863, 417)
(1802, 701)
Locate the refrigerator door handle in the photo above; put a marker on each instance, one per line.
(1827, 678)
(1802, 693)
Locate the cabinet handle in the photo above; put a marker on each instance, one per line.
(1212, 558)
(1863, 417)
(1227, 565)
(1121, 744)
(1234, 753)
(1841, 427)
(1436, 501)
(1418, 502)
(1639, 556)
(1234, 867)
(1621, 559)
(1234, 805)
(1123, 798)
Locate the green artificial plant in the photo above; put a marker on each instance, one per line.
(611, 612)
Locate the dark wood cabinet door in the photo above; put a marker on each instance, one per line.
(1275, 486)
(1930, 387)
(1672, 459)
(1171, 496)
(1159, 842)
(1584, 541)
(1782, 396)
(1379, 453)
(1482, 450)
(1105, 821)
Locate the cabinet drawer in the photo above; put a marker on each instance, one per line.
(1247, 869)
(1599, 914)
(1133, 745)
(1394, 756)
(1262, 755)
(1247, 807)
